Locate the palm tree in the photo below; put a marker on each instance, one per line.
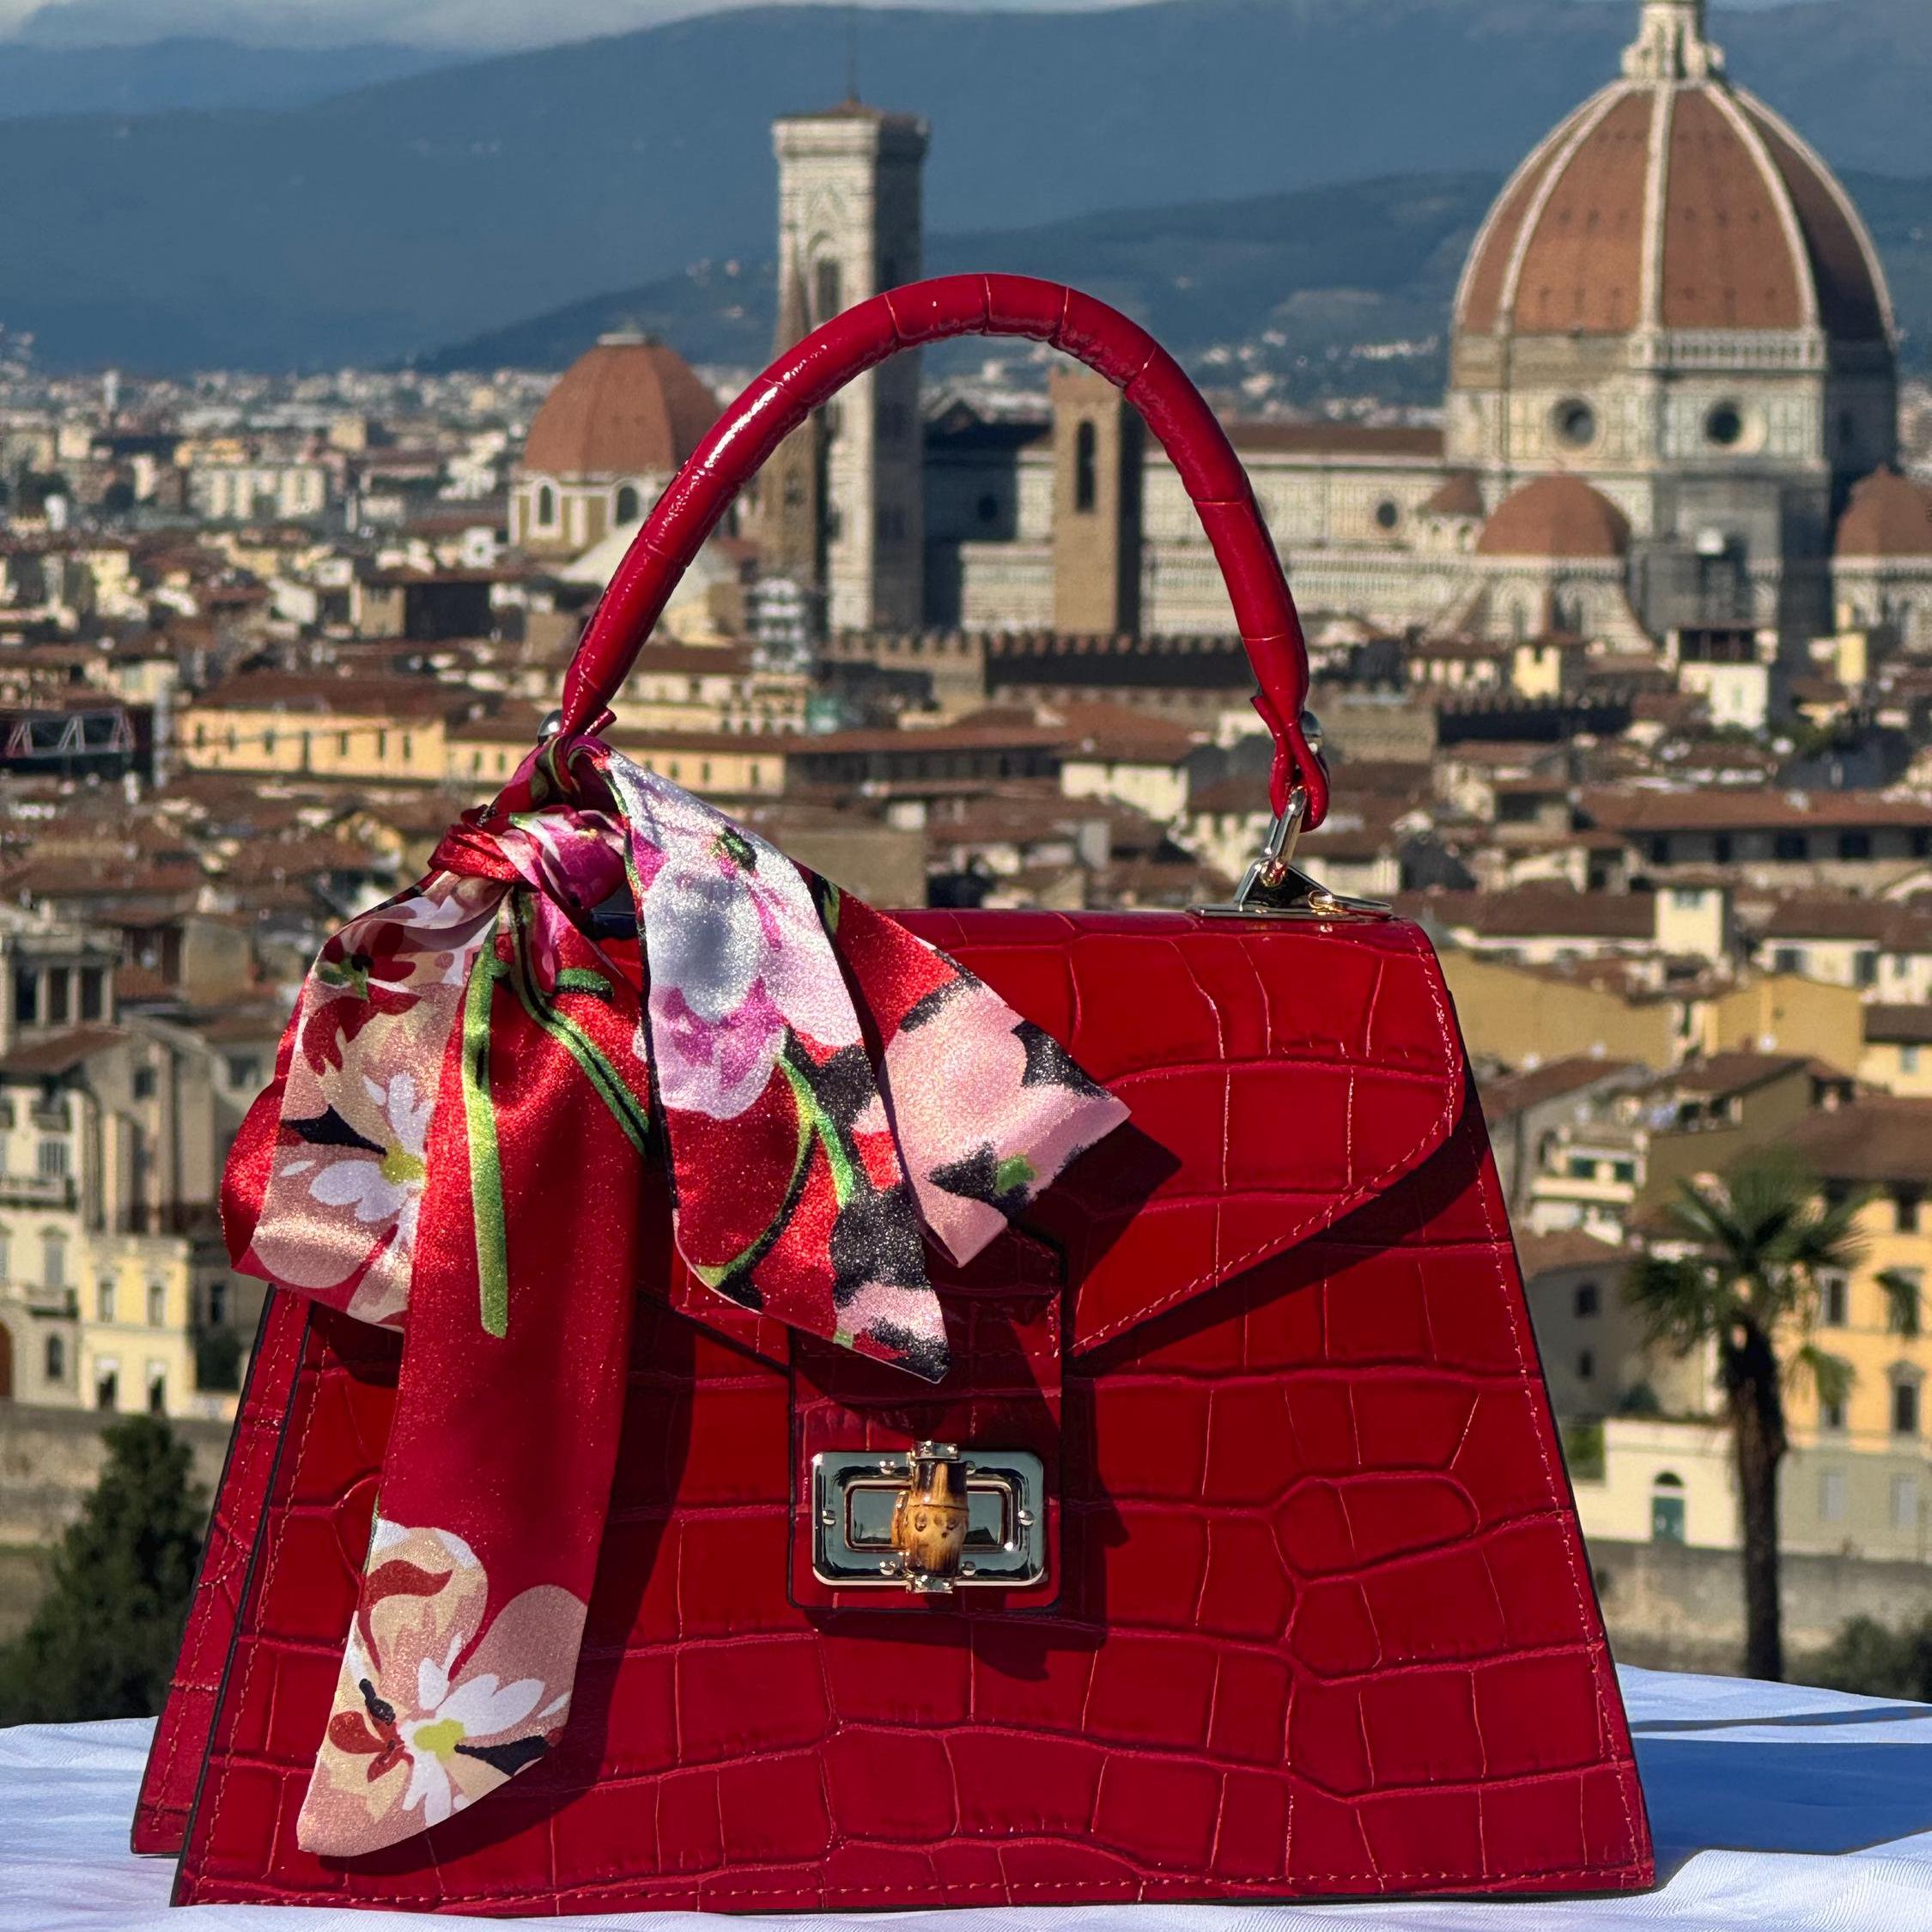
(1747, 1279)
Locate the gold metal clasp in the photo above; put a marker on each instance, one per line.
(930, 1519)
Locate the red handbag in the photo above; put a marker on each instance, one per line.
(1266, 1580)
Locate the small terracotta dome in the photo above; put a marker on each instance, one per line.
(1674, 200)
(1888, 515)
(1458, 495)
(1556, 516)
(629, 407)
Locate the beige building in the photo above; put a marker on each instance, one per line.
(115, 1291)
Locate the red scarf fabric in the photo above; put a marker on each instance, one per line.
(477, 1104)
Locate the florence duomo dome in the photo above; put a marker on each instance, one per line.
(1674, 298)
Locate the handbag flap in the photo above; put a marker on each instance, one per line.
(1281, 1073)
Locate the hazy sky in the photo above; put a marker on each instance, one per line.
(471, 24)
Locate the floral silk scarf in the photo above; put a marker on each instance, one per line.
(486, 1087)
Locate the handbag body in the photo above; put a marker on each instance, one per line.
(1303, 1609)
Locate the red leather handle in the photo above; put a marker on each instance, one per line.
(983, 305)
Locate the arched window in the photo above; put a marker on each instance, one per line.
(827, 295)
(1667, 1508)
(56, 1358)
(629, 505)
(1086, 486)
(546, 507)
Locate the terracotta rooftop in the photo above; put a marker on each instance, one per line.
(1539, 912)
(61, 1053)
(623, 409)
(1889, 515)
(1516, 1093)
(1673, 200)
(1459, 495)
(1752, 808)
(360, 696)
(1906, 1026)
(1555, 516)
(1898, 926)
(1872, 1142)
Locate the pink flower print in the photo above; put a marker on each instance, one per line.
(737, 956)
(428, 1717)
(364, 1177)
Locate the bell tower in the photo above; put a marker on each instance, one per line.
(849, 225)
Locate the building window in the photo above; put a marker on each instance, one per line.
(1831, 1496)
(1721, 848)
(989, 508)
(244, 1071)
(50, 1160)
(106, 1385)
(1902, 1307)
(628, 504)
(59, 989)
(1864, 967)
(53, 1262)
(1660, 851)
(1905, 1407)
(1586, 1366)
(1905, 1503)
(157, 1304)
(1388, 514)
(93, 994)
(827, 291)
(54, 1358)
(157, 1388)
(1086, 481)
(1831, 1415)
(1854, 845)
(1724, 426)
(217, 1305)
(1831, 1297)
(26, 997)
(1589, 1300)
(1575, 424)
(1908, 1059)
(145, 1081)
(104, 1299)
(342, 744)
(1905, 1209)
(1667, 1508)
(1790, 845)
(546, 507)
(1788, 959)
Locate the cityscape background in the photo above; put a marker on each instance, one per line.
(1579, 355)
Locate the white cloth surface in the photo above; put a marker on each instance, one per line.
(1775, 1807)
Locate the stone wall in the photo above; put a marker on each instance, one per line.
(1673, 1608)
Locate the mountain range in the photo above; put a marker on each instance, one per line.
(1328, 270)
(424, 209)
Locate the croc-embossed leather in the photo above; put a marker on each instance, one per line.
(1319, 1622)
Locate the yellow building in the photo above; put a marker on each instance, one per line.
(115, 1292)
(484, 752)
(382, 729)
(1897, 1049)
(1881, 1149)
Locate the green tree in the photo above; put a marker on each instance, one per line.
(102, 1643)
(1755, 1250)
(1876, 1660)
